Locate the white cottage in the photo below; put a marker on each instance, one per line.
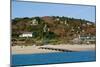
(57, 19)
(84, 39)
(26, 34)
(34, 22)
(89, 23)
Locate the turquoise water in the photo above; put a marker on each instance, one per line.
(51, 58)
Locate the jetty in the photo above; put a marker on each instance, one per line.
(57, 49)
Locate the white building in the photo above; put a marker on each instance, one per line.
(88, 39)
(61, 22)
(65, 22)
(83, 24)
(26, 34)
(84, 39)
(34, 22)
(57, 19)
(89, 23)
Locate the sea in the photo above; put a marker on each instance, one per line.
(52, 58)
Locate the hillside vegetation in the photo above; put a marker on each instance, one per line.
(51, 29)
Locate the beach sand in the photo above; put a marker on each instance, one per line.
(28, 50)
(35, 49)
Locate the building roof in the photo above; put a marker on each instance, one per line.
(27, 32)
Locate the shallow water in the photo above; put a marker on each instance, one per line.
(48, 58)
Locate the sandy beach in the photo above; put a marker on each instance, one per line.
(36, 49)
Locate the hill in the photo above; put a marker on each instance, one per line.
(54, 28)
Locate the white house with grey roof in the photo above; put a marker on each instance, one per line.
(84, 39)
(26, 34)
(34, 22)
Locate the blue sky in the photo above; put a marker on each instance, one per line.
(31, 9)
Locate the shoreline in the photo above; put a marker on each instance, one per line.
(36, 49)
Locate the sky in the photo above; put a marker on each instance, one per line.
(32, 9)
